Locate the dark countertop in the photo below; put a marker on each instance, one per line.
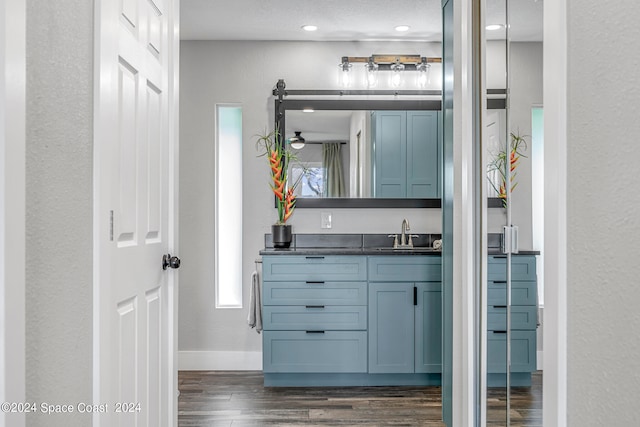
(372, 251)
(350, 251)
(367, 244)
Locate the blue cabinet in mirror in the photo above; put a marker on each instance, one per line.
(343, 163)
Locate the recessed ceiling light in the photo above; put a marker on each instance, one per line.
(493, 27)
(402, 28)
(309, 27)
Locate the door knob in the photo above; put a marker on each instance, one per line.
(170, 261)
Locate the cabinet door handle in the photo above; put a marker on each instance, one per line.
(314, 257)
(315, 332)
(500, 281)
(499, 306)
(315, 282)
(499, 256)
(499, 332)
(314, 306)
(415, 295)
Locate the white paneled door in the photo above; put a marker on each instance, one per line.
(135, 212)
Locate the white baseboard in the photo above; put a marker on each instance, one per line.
(219, 360)
(540, 360)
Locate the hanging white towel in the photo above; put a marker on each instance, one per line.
(255, 303)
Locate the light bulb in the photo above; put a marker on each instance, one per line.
(396, 80)
(372, 73)
(345, 73)
(396, 74)
(423, 73)
(345, 78)
(372, 79)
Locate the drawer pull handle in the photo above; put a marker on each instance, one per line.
(500, 281)
(499, 332)
(315, 332)
(500, 256)
(314, 257)
(499, 306)
(314, 306)
(315, 282)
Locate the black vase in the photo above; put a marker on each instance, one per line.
(281, 235)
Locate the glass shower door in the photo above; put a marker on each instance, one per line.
(501, 238)
(513, 86)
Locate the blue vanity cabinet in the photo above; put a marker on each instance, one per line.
(405, 314)
(523, 319)
(391, 327)
(423, 154)
(390, 153)
(428, 324)
(406, 148)
(314, 315)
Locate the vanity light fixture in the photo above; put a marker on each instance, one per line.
(423, 73)
(297, 142)
(308, 110)
(345, 71)
(397, 64)
(372, 72)
(309, 27)
(396, 76)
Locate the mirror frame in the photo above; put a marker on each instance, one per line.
(282, 105)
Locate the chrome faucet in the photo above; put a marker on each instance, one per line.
(404, 240)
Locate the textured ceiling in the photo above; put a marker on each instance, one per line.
(341, 20)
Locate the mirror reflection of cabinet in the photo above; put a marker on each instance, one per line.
(387, 154)
(406, 146)
(348, 122)
(315, 117)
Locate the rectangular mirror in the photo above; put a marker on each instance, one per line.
(364, 153)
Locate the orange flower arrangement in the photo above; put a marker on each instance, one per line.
(279, 158)
(499, 164)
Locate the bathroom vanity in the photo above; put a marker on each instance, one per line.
(353, 311)
(524, 319)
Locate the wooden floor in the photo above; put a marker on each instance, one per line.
(230, 398)
(526, 405)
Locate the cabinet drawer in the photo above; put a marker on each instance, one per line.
(523, 352)
(299, 351)
(522, 293)
(523, 267)
(411, 268)
(314, 293)
(303, 268)
(522, 317)
(314, 317)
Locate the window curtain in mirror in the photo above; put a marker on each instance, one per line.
(332, 164)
